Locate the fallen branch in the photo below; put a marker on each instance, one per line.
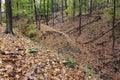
(96, 38)
(83, 26)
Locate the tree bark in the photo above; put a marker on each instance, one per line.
(47, 12)
(62, 12)
(35, 10)
(80, 14)
(91, 6)
(8, 17)
(17, 4)
(52, 2)
(66, 6)
(74, 6)
(113, 30)
(0, 13)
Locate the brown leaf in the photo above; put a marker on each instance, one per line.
(8, 67)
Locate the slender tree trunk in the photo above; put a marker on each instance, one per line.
(44, 10)
(47, 11)
(113, 30)
(62, 12)
(91, 8)
(40, 8)
(107, 2)
(66, 6)
(8, 17)
(73, 9)
(39, 16)
(57, 6)
(86, 6)
(17, 4)
(52, 10)
(35, 12)
(45, 7)
(0, 13)
(80, 16)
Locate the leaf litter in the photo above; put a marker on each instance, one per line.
(15, 64)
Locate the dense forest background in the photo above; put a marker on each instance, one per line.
(83, 34)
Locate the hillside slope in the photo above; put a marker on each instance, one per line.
(94, 42)
(92, 48)
(22, 59)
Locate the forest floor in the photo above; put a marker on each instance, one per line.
(93, 47)
(91, 50)
(23, 59)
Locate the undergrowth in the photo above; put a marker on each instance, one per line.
(71, 63)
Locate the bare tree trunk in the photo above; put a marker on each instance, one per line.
(66, 6)
(44, 11)
(91, 8)
(52, 11)
(113, 29)
(80, 14)
(85, 5)
(17, 9)
(35, 12)
(47, 11)
(0, 13)
(39, 16)
(8, 17)
(74, 9)
(62, 12)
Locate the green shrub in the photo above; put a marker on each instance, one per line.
(29, 26)
(110, 10)
(89, 70)
(4, 18)
(70, 63)
(32, 33)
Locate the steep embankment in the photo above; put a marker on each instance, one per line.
(92, 48)
(95, 43)
(57, 40)
(22, 59)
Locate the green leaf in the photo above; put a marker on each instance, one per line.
(31, 50)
